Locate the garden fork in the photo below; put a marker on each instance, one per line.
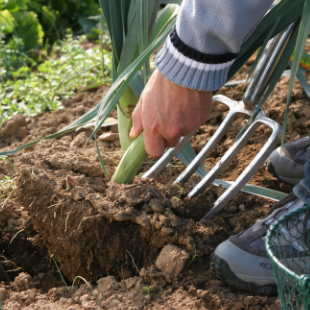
(252, 96)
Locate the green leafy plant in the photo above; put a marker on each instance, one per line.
(28, 29)
(74, 68)
(148, 289)
(6, 183)
(181, 190)
(13, 60)
(36, 20)
(195, 254)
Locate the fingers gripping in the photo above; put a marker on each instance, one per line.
(137, 126)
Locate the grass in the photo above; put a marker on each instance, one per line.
(10, 162)
(195, 254)
(32, 89)
(61, 276)
(70, 290)
(79, 277)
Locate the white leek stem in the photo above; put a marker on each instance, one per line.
(127, 103)
(130, 162)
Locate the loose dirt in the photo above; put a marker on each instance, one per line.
(138, 245)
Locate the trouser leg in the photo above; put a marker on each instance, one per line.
(302, 189)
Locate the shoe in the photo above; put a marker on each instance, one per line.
(288, 166)
(242, 260)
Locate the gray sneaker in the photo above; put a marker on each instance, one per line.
(242, 260)
(288, 166)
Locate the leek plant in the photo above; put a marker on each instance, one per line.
(134, 27)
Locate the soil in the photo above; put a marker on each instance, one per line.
(138, 245)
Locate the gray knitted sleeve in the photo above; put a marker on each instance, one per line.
(207, 37)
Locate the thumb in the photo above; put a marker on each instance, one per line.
(137, 126)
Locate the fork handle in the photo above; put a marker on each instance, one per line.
(265, 67)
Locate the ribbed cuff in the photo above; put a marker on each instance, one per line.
(192, 69)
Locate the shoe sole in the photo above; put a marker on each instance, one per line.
(222, 270)
(269, 167)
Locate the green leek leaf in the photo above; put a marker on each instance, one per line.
(304, 29)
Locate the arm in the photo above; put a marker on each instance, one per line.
(194, 61)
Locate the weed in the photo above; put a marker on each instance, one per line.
(70, 290)
(61, 276)
(6, 183)
(13, 60)
(30, 93)
(148, 289)
(10, 162)
(79, 277)
(181, 190)
(195, 254)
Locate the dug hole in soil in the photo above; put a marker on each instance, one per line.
(138, 245)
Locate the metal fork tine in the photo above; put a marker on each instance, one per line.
(246, 175)
(167, 157)
(235, 109)
(225, 161)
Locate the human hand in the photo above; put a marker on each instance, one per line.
(167, 111)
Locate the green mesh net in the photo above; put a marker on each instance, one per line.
(288, 244)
